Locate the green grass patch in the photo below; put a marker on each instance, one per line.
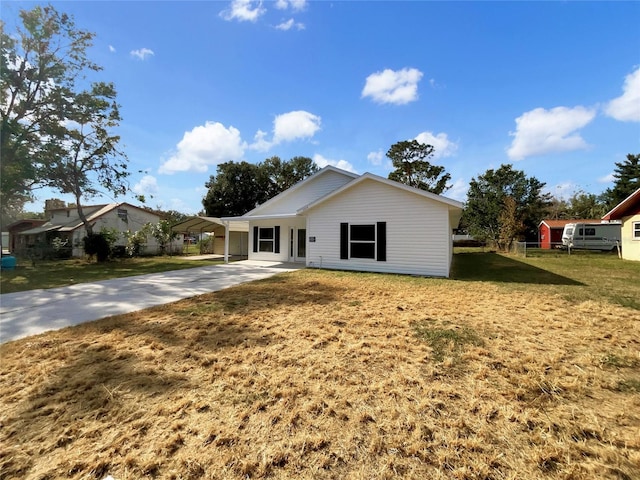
(51, 274)
(617, 361)
(629, 386)
(446, 342)
(596, 276)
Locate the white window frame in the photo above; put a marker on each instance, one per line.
(635, 231)
(262, 239)
(373, 242)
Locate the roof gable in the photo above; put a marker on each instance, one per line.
(304, 192)
(101, 211)
(629, 206)
(370, 176)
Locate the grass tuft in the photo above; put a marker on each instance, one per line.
(446, 341)
(631, 385)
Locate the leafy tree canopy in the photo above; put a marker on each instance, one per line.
(234, 190)
(55, 126)
(586, 205)
(409, 158)
(504, 204)
(39, 66)
(580, 205)
(84, 157)
(282, 175)
(239, 187)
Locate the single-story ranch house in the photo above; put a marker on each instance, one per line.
(340, 220)
(65, 223)
(629, 212)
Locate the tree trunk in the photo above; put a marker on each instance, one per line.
(87, 226)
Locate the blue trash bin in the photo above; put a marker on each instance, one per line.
(8, 262)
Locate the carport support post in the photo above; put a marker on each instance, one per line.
(226, 241)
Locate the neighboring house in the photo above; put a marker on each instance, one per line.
(339, 220)
(16, 241)
(64, 223)
(238, 234)
(550, 232)
(628, 211)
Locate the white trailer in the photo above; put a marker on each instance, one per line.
(592, 236)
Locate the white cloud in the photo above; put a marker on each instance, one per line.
(244, 11)
(260, 143)
(375, 158)
(562, 190)
(142, 53)
(541, 131)
(607, 178)
(179, 205)
(148, 185)
(289, 24)
(626, 107)
(287, 127)
(443, 147)
(458, 190)
(295, 5)
(205, 145)
(295, 125)
(342, 164)
(112, 49)
(397, 87)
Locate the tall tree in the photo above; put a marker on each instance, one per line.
(626, 181)
(409, 158)
(84, 156)
(282, 175)
(240, 187)
(586, 206)
(559, 209)
(40, 64)
(235, 189)
(490, 216)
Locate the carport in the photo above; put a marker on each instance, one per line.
(229, 237)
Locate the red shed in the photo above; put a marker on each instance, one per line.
(550, 231)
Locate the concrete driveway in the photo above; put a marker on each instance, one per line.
(36, 311)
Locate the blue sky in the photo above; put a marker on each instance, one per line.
(551, 87)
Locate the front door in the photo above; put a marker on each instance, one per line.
(302, 244)
(297, 244)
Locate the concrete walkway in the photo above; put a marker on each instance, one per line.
(36, 311)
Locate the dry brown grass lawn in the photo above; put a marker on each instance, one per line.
(325, 375)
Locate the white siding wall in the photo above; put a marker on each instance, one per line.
(418, 230)
(238, 243)
(285, 226)
(312, 190)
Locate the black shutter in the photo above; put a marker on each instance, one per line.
(344, 241)
(381, 242)
(255, 239)
(276, 239)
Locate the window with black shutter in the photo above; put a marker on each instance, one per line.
(363, 241)
(266, 239)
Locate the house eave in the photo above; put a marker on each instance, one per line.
(370, 176)
(247, 218)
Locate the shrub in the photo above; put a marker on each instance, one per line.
(96, 244)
